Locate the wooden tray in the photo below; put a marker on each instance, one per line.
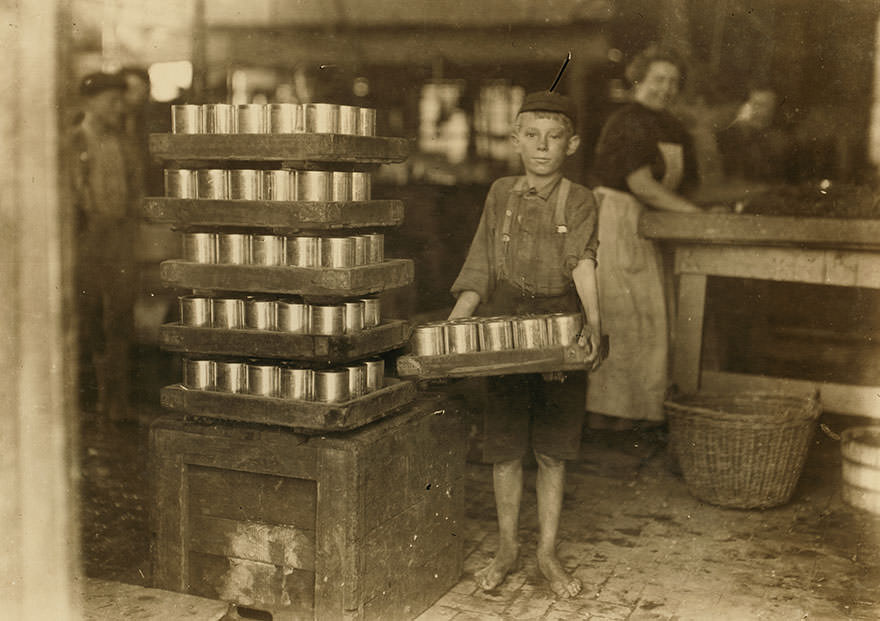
(288, 215)
(391, 334)
(302, 416)
(278, 148)
(309, 281)
(485, 363)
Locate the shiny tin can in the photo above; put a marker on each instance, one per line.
(354, 317)
(218, 119)
(331, 386)
(195, 311)
(340, 185)
(462, 337)
(263, 379)
(563, 328)
(199, 374)
(244, 184)
(337, 252)
(321, 118)
(261, 314)
(496, 334)
(348, 119)
(234, 248)
(304, 251)
(180, 183)
(297, 384)
(250, 119)
(200, 247)
(186, 119)
(357, 380)
(372, 312)
(212, 183)
(375, 374)
(284, 118)
(428, 340)
(366, 122)
(361, 249)
(327, 319)
(530, 332)
(269, 249)
(231, 377)
(313, 185)
(361, 186)
(276, 185)
(227, 313)
(376, 247)
(293, 317)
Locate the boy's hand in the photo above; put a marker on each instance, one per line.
(596, 345)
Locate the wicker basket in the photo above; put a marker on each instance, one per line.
(744, 451)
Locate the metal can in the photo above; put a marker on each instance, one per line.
(261, 314)
(304, 251)
(337, 252)
(212, 183)
(428, 340)
(200, 247)
(461, 337)
(375, 374)
(321, 118)
(496, 334)
(244, 184)
(195, 311)
(331, 386)
(234, 248)
(269, 249)
(198, 374)
(563, 328)
(348, 120)
(529, 332)
(263, 379)
(372, 314)
(218, 119)
(297, 384)
(357, 380)
(186, 119)
(340, 185)
(284, 118)
(354, 317)
(327, 319)
(313, 185)
(366, 122)
(361, 186)
(293, 316)
(231, 377)
(180, 183)
(376, 248)
(361, 249)
(227, 313)
(276, 185)
(250, 119)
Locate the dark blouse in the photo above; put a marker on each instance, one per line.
(629, 141)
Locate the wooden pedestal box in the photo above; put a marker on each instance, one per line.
(364, 524)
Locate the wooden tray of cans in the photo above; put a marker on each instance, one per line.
(390, 334)
(318, 282)
(487, 363)
(302, 416)
(304, 147)
(286, 215)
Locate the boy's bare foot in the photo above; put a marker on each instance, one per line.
(493, 574)
(561, 583)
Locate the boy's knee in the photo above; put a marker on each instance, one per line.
(545, 461)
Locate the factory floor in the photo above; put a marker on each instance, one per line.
(643, 547)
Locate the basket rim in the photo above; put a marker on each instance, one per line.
(799, 408)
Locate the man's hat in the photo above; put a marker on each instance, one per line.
(549, 101)
(95, 83)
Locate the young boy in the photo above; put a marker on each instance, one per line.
(534, 252)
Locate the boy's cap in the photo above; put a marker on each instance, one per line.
(95, 83)
(548, 101)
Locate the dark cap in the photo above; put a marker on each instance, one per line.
(95, 83)
(548, 101)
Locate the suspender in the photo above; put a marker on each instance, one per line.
(558, 209)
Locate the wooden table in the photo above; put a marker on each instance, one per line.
(821, 251)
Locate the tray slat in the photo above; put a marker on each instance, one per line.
(486, 363)
(302, 416)
(391, 334)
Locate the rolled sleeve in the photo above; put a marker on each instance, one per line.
(582, 240)
(477, 274)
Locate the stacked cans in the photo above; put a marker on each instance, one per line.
(276, 118)
(278, 250)
(496, 334)
(282, 315)
(282, 184)
(285, 381)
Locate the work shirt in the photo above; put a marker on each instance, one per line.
(519, 240)
(102, 175)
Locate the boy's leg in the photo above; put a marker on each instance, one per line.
(507, 478)
(550, 485)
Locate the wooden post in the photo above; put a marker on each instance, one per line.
(689, 332)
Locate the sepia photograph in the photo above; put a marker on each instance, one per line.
(440, 310)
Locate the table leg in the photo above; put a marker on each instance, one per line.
(689, 332)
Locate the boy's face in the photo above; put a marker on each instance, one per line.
(543, 144)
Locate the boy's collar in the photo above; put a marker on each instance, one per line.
(522, 187)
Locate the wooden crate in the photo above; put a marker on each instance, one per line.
(361, 525)
(486, 363)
